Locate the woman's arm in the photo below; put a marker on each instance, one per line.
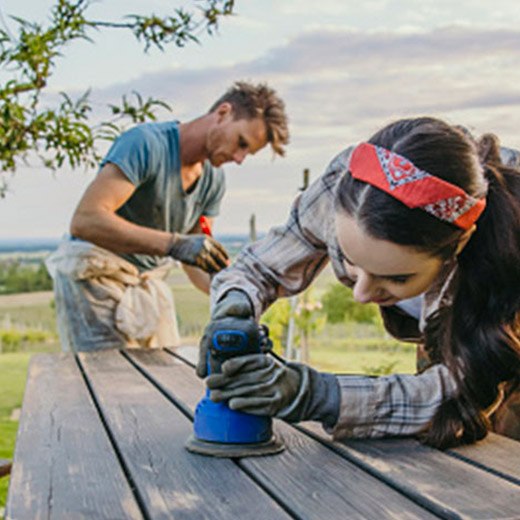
(288, 259)
(398, 404)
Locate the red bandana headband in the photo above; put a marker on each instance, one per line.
(397, 176)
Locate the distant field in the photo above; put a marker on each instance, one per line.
(28, 310)
(25, 299)
(344, 347)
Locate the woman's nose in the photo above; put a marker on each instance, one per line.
(365, 288)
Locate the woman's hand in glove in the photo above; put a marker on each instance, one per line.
(235, 304)
(260, 385)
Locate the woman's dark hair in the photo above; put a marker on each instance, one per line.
(477, 337)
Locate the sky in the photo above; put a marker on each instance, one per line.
(344, 69)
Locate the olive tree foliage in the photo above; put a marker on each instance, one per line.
(63, 132)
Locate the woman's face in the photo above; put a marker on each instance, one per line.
(383, 272)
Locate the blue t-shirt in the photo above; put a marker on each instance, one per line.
(149, 156)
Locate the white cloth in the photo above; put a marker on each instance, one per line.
(412, 306)
(102, 301)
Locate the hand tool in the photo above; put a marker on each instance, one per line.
(218, 430)
(204, 225)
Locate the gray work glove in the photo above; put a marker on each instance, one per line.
(201, 251)
(260, 385)
(235, 303)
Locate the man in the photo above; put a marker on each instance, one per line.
(145, 205)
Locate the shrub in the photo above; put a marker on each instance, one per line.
(339, 305)
(16, 278)
(12, 340)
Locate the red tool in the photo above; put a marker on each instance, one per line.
(204, 225)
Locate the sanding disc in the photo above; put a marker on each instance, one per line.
(217, 449)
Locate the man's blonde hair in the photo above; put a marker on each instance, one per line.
(259, 101)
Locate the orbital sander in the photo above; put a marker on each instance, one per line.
(218, 430)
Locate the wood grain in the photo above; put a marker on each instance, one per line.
(449, 487)
(64, 466)
(495, 453)
(443, 483)
(150, 433)
(310, 479)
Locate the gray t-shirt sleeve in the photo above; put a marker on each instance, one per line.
(212, 206)
(131, 152)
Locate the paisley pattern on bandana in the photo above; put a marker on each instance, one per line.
(398, 170)
(449, 209)
(399, 177)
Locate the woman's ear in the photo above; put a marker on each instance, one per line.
(464, 239)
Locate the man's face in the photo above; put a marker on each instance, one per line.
(231, 140)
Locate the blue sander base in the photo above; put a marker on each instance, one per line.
(220, 431)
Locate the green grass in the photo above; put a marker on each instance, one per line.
(355, 360)
(13, 367)
(192, 307)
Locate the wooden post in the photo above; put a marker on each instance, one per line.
(289, 350)
(290, 329)
(306, 174)
(252, 228)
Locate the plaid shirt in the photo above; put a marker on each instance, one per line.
(288, 259)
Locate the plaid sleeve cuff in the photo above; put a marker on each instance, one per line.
(357, 407)
(399, 404)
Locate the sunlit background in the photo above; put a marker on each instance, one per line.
(344, 69)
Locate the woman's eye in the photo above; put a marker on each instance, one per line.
(399, 280)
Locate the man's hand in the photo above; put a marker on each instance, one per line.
(200, 251)
(235, 304)
(259, 385)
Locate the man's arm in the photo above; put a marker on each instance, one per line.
(96, 221)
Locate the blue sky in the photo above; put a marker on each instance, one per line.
(344, 68)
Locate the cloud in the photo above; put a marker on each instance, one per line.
(340, 87)
(328, 77)
(426, 13)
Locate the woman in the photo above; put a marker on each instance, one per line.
(424, 222)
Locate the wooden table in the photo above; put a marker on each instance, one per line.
(102, 436)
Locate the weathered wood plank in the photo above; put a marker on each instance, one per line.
(188, 353)
(432, 477)
(64, 466)
(310, 479)
(150, 433)
(450, 487)
(496, 454)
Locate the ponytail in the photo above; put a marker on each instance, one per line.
(480, 339)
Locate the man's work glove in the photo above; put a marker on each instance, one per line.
(235, 303)
(260, 385)
(201, 251)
